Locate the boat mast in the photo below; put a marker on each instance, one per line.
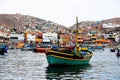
(76, 31)
(58, 35)
(77, 47)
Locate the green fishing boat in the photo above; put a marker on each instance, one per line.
(61, 58)
(68, 56)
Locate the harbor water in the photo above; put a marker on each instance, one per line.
(27, 65)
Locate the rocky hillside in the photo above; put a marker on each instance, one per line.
(30, 23)
(23, 22)
(113, 20)
(87, 24)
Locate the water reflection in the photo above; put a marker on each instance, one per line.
(66, 72)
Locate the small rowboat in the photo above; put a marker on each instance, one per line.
(41, 49)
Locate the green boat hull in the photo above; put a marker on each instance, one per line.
(53, 60)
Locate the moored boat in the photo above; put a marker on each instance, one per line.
(20, 45)
(112, 49)
(3, 48)
(98, 46)
(67, 56)
(118, 52)
(28, 47)
(41, 49)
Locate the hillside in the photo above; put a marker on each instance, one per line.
(87, 24)
(30, 23)
(23, 22)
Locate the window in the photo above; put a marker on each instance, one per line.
(13, 37)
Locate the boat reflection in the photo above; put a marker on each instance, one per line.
(66, 72)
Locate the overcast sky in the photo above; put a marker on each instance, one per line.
(63, 11)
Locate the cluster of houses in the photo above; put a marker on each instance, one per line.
(111, 31)
(54, 37)
(29, 37)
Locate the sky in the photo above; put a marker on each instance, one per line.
(63, 12)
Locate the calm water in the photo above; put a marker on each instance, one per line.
(26, 65)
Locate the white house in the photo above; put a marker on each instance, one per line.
(16, 37)
(1, 27)
(48, 37)
(110, 25)
(30, 37)
(117, 38)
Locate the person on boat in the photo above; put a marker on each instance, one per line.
(77, 50)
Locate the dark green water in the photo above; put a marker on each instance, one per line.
(26, 65)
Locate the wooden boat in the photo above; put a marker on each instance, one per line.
(20, 45)
(2, 51)
(112, 50)
(41, 49)
(3, 48)
(91, 48)
(118, 52)
(4, 40)
(98, 46)
(101, 43)
(67, 56)
(28, 47)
